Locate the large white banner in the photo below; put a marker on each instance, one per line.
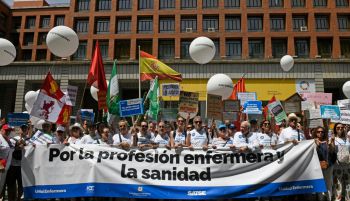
(59, 171)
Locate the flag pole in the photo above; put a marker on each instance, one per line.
(139, 73)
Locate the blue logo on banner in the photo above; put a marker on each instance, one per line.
(252, 107)
(18, 119)
(131, 107)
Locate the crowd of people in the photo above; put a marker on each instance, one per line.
(332, 146)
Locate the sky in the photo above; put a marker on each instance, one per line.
(10, 2)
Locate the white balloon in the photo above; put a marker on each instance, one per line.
(346, 89)
(31, 97)
(28, 108)
(62, 41)
(94, 90)
(202, 50)
(287, 63)
(220, 84)
(7, 52)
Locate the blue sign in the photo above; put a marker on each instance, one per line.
(330, 112)
(131, 107)
(252, 107)
(87, 115)
(17, 119)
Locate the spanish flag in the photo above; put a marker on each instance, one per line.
(150, 67)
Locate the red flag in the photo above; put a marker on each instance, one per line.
(64, 116)
(266, 110)
(239, 87)
(51, 87)
(96, 75)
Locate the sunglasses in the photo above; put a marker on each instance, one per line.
(340, 127)
(161, 126)
(319, 131)
(144, 126)
(122, 126)
(197, 122)
(180, 120)
(266, 124)
(222, 129)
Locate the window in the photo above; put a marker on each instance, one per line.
(59, 20)
(166, 49)
(83, 5)
(232, 3)
(41, 55)
(210, 23)
(145, 45)
(26, 55)
(184, 51)
(42, 38)
(122, 49)
(302, 48)
(256, 48)
(189, 24)
(232, 23)
(343, 22)
(277, 23)
(324, 46)
(45, 22)
(124, 4)
(345, 47)
(166, 25)
(342, 3)
(279, 47)
(299, 21)
(166, 4)
(188, 4)
(103, 5)
(16, 22)
(322, 22)
(102, 26)
(82, 26)
(210, 3)
(145, 25)
(320, 3)
(233, 48)
(80, 54)
(276, 3)
(124, 25)
(255, 23)
(103, 48)
(145, 4)
(30, 23)
(253, 3)
(28, 39)
(298, 3)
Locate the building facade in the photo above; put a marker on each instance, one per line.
(250, 38)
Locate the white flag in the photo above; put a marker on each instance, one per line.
(46, 107)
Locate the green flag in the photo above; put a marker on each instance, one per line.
(153, 99)
(113, 92)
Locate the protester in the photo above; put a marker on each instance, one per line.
(291, 133)
(145, 138)
(198, 137)
(246, 140)
(76, 133)
(124, 138)
(152, 128)
(254, 126)
(223, 139)
(105, 139)
(99, 129)
(178, 136)
(231, 130)
(327, 156)
(267, 138)
(59, 135)
(6, 143)
(341, 171)
(162, 139)
(90, 136)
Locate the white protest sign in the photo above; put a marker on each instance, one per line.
(246, 96)
(170, 89)
(344, 117)
(71, 95)
(344, 104)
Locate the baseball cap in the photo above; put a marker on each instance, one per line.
(222, 126)
(60, 128)
(6, 127)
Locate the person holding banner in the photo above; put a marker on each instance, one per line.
(162, 139)
(267, 138)
(59, 135)
(327, 156)
(90, 136)
(198, 137)
(76, 133)
(223, 139)
(178, 136)
(291, 133)
(341, 171)
(246, 140)
(144, 139)
(124, 138)
(105, 139)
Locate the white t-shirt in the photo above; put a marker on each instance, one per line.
(87, 139)
(290, 134)
(147, 139)
(179, 138)
(267, 140)
(125, 138)
(198, 138)
(250, 140)
(73, 140)
(339, 141)
(162, 141)
(218, 142)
